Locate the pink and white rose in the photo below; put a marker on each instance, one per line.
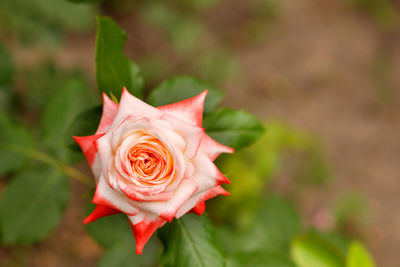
(153, 164)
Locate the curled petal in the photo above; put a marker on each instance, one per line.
(189, 110)
(100, 211)
(143, 228)
(199, 208)
(212, 148)
(199, 198)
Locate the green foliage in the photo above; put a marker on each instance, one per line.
(234, 128)
(32, 205)
(313, 250)
(358, 256)
(43, 21)
(382, 11)
(110, 230)
(84, 124)
(15, 145)
(85, 1)
(190, 241)
(181, 88)
(61, 111)
(260, 259)
(123, 254)
(6, 67)
(263, 225)
(113, 69)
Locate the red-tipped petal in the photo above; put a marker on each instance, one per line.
(110, 109)
(189, 110)
(144, 230)
(199, 208)
(87, 145)
(100, 211)
(212, 148)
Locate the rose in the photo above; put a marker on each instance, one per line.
(153, 164)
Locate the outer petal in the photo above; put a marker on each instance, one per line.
(110, 109)
(207, 174)
(212, 148)
(87, 144)
(168, 209)
(143, 227)
(199, 208)
(105, 196)
(100, 211)
(199, 198)
(130, 105)
(189, 110)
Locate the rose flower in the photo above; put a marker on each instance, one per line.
(153, 164)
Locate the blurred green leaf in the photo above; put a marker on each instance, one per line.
(234, 128)
(259, 259)
(312, 250)
(6, 67)
(358, 256)
(123, 255)
(43, 21)
(86, 1)
(61, 111)
(181, 88)
(113, 69)
(15, 143)
(84, 124)
(109, 230)
(32, 205)
(190, 241)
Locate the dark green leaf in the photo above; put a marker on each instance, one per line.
(60, 112)
(113, 69)
(259, 259)
(234, 128)
(6, 67)
(312, 250)
(32, 205)
(190, 241)
(84, 124)
(358, 256)
(123, 254)
(109, 230)
(181, 88)
(15, 144)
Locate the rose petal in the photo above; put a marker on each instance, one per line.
(199, 198)
(100, 211)
(106, 196)
(189, 110)
(167, 209)
(143, 228)
(130, 105)
(212, 148)
(110, 109)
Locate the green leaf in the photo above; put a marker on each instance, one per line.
(84, 124)
(6, 67)
(358, 256)
(60, 112)
(234, 128)
(259, 259)
(109, 230)
(15, 143)
(190, 241)
(123, 254)
(312, 250)
(113, 69)
(86, 1)
(181, 88)
(32, 205)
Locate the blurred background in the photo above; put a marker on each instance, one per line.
(323, 76)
